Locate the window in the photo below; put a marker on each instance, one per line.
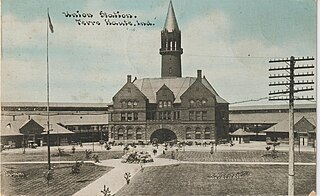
(198, 102)
(198, 115)
(129, 104)
(120, 134)
(169, 116)
(207, 134)
(123, 116)
(111, 132)
(191, 115)
(170, 70)
(177, 115)
(135, 103)
(123, 104)
(192, 103)
(169, 103)
(204, 115)
(129, 134)
(160, 115)
(198, 133)
(188, 133)
(138, 134)
(129, 116)
(160, 104)
(165, 104)
(135, 116)
(204, 101)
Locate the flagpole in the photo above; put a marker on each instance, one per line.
(48, 115)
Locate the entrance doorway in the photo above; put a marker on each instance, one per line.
(163, 135)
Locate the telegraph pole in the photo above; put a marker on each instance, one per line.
(291, 90)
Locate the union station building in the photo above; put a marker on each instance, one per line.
(171, 107)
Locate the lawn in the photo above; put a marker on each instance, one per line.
(239, 156)
(34, 183)
(42, 156)
(201, 179)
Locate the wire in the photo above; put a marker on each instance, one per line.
(252, 100)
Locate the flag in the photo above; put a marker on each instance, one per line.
(50, 24)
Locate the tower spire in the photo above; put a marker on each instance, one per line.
(171, 21)
(171, 46)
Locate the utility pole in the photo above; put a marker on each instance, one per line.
(291, 90)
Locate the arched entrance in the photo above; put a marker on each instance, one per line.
(163, 135)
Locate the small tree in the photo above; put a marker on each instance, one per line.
(76, 167)
(73, 149)
(48, 175)
(154, 152)
(127, 177)
(88, 153)
(106, 191)
(96, 158)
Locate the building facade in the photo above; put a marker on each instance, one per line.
(171, 107)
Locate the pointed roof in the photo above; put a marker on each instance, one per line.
(171, 21)
(283, 126)
(150, 86)
(241, 132)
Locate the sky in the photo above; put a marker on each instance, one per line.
(232, 41)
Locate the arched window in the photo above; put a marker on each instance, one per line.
(123, 104)
(129, 104)
(129, 134)
(204, 101)
(120, 134)
(138, 134)
(192, 103)
(188, 133)
(198, 133)
(135, 103)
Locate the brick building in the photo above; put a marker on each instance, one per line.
(171, 107)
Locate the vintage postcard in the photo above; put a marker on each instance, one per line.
(158, 97)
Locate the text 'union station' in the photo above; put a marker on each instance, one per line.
(171, 107)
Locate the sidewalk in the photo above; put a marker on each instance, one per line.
(113, 179)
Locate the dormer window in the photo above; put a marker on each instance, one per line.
(204, 101)
(192, 103)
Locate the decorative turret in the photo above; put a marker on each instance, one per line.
(171, 46)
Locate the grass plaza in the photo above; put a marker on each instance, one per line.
(175, 171)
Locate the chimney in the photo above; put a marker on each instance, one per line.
(199, 73)
(128, 78)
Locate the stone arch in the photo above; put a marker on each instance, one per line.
(163, 135)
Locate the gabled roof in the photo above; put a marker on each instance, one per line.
(283, 126)
(11, 127)
(150, 86)
(241, 132)
(57, 129)
(171, 21)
